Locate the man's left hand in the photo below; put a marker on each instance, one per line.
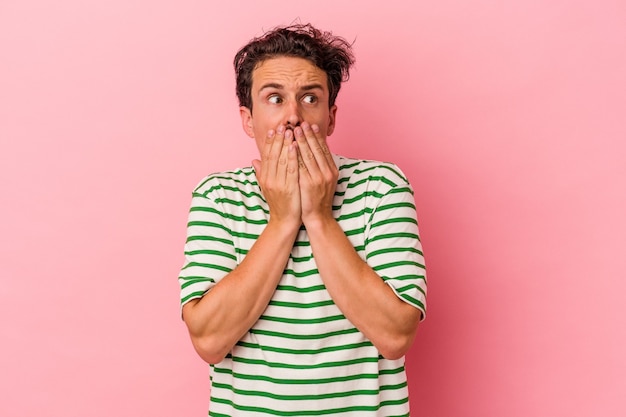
(317, 174)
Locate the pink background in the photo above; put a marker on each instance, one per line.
(507, 116)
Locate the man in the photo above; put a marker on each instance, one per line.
(303, 284)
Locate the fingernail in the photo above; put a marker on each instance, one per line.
(288, 134)
(281, 129)
(270, 133)
(315, 128)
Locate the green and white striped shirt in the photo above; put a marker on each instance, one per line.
(303, 357)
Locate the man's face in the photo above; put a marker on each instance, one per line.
(287, 91)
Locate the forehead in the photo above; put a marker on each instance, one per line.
(289, 72)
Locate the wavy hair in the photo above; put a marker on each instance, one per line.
(332, 54)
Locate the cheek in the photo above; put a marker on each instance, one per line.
(265, 120)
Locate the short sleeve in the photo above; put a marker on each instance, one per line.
(393, 247)
(209, 249)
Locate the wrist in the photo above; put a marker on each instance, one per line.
(284, 226)
(318, 221)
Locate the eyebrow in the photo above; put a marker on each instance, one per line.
(303, 88)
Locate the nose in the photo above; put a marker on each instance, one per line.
(293, 115)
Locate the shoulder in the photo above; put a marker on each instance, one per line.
(355, 171)
(240, 182)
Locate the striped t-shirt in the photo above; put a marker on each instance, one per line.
(303, 357)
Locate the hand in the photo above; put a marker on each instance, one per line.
(277, 173)
(317, 174)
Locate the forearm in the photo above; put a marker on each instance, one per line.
(360, 293)
(223, 315)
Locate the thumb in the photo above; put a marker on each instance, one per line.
(257, 166)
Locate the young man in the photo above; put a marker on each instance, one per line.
(304, 281)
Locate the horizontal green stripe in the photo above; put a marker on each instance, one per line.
(213, 414)
(210, 239)
(393, 250)
(251, 194)
(392, 236)
(353, 232)
(194, 294)
(293, 336)
(397, 263)
(249, 172)
(413, 301)
(408, 277)
(310, 412)
(391, 371)
(194, 278)
(219, 226)
(389, 168)
(360, 213)
(369, 180)
(401, 204)
(410, 287)
(210, 266)
(195, 281)
(303, 321)
(262, 362)
(348, 165)
(211, 252)
(401, 190)
(206, 224)
(301, 259)
(306, 351)
(393, 220)
(291, 381)
(301, 305)
(359, 197)
(313, 288)
(309, 397)
(301, 274)
(236, 203)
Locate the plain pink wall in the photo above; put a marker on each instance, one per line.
(507, 116)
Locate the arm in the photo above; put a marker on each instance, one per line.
(362, 295)
(225, 313)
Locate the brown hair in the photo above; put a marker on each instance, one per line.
(332, 54)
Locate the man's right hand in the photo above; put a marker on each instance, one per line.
(277, 173)
(227, 312)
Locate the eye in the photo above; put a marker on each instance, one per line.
(275, 99)
(309, 99)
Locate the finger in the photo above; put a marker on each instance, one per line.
(292, 165)
(272, 150)
(323, 145)
(316, 142)
(307, 154)
(303, 172)
(317, 148)
(283, 158)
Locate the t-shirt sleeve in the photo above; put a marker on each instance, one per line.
(393, 248)
(209, 249)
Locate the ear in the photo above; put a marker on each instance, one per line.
(332, 114)
(246, 121)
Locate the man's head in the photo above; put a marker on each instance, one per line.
(331, 54)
